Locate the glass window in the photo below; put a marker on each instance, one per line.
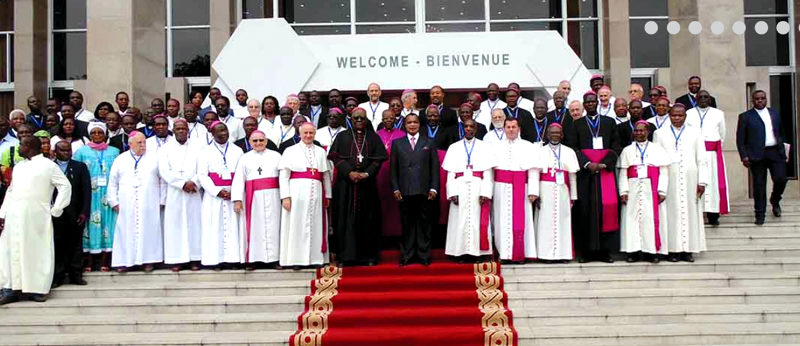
(317, 11)
(766, 7)
(646, 82)
(256, 9)
(645, 8)
(384, 11)
(4, 63)
(69, 55)
(385, 29)
(524, 9)
(782, 99)
(6, 15)
(581, 8)
(583, 40)
(190, 53)
(69, 14)
(454, 10)
(322, 30)
(649, 50)
(770, 49)
(190, 12)
(517, 26)
(456, 27)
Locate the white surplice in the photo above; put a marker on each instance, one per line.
(265, 219)
(135, 188)
(637, 220)
(280, 133)
(554, 217)
(266, 126)
(154, 145)
(26, 244)
(301, 227)
(712, 127)
(221, 236)
(494, 136)
(235, 128)
(687, 170)
(516, 155)
(467, 158)
(486, 109)
(182, 223)
(326, 135)
(374, 112)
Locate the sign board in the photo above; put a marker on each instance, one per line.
(267, 57)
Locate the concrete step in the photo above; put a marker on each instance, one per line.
(164, 275)
(184, 289)
(649, 280)
(764, 238)
(159, 305)
(776, 226)
(653, 297)
(263, 338)
(750, 217)
(752, 251)
(701, 265)
(663, 334)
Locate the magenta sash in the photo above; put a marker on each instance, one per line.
(550, 175)
(608, 190)
(518, 180)
(653, 175)
(316, 175)
(250, 187)
(444, 204)
(485, 210)
(218, 181)
(721, 185)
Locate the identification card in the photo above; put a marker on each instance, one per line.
(597, 142)
(225, 175)
(102, 181)
(560, 178)
(468, 171)
(641, 171)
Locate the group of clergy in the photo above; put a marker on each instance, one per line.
(275, 186)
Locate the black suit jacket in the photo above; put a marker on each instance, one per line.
(120, 142)
(648, 112)
(626, 134)
(414, 172)
(241, 144)
(750, 134)
(32, 119)
(81, 128)
(527, 131)
(686, 100)
(447, 116)
(323, 115)
(81, 201)
(452, 134)
(566, 123)
(582, 138)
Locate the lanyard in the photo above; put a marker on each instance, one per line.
(460, 131)
(349, 125)
(540, 130)
(125, 145)
(501, 134)
(594, 126)
(600, 110)
(559, 115)
(37, 122)
(283, 134)
(516, 112)
(100, 160)
(135, 160)
(469, 151)
(160, 142)
(692, 100)
(432, 134)
(190, 131)
(247, 146)
(374, 109)
(333, 134)
(641, 152)
(702, 116)
(398, 123)
(658, 125)
(491, 106)
(208, 141)
(148, 133)
(224, 159)
(315, 114)
(678, 136)
(558, 156)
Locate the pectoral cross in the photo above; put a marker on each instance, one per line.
(259, 170)
(360, 158)
(313, 170)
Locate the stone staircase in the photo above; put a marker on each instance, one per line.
(744, 290)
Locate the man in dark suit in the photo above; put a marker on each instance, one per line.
(68, 228)
(512, 110)
(760, 144)
(447, 116)
(317, 112)
(455, 132)
(81, 127)
(250, 124)
(296, 122)
(690, 99)
(560, 115)
(415, 181)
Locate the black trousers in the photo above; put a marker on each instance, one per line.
(776, 164)
(415, 217)
(68, 239)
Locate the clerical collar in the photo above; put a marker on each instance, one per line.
(62, 162)
(552, 145)
(469, 140)
(543, 119)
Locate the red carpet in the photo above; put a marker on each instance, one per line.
(443, 304)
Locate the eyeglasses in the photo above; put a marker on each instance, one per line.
(257, 140)
(359, 118)
(395, 106)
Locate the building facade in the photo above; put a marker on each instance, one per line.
(158, 48)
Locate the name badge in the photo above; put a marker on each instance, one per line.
(641, 171)
(560, 178)
(597, 142)
(468, 171)
(225, 175)
(102, 181)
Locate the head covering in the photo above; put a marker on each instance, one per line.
(180, 120)
(11, 114)
(642, 122)
(556, 125)
(662, 89)
(334, 110)
(596, 76)
(359, 109)
(215, 123)
(604, 87)
(42, 134)
(465, 104)
(96, 125)
(478, 97)
(513, 88)
(292, 96)
(258, 132)
(134, 133)
(408, 91)
(350, 98)
(590, 92)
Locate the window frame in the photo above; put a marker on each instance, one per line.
(67, 84)
(9, 84)
(648, 18)
(169, 28)
(789, 16)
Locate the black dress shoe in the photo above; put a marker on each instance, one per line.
(759, 221)
(607, 259)
(78, 280)
(39, 298)
(776, 210)
(673, 257)
(57, 282)
(403, 263)
(582, 260)
(9, 298)
(632, 258)
(426, 262)
(372, 263)
(687, 257)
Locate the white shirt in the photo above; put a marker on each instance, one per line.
(769, 135)
(375, 111)
(84, 115)
(414, 139)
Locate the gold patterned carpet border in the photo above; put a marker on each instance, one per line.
(319, 306)
(496, 321)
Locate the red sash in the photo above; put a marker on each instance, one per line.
(250, 187)
(518, 180)
(653, 175)
(316, 175)
(608, 190)
(485, 210)
(721, 185)
(550, 175)
(218, 181)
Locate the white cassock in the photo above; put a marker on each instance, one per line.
(26, 244)
(486, 111)
(235, 129)
(557, 188)
(305, 178)
(494, 136)
(154, 145)
(255, 184)
(643, 165)
(280, 133)
(241, 113)
(374, 112)
(687, 170)
(266, 126)
(135, 188)
(221, 236)
(182, 223)
(514, 232)
(326, 135)
(469, 177)
(196, 133)
(711, 122)
(659, 121)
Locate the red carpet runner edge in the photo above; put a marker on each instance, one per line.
(444, 304)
